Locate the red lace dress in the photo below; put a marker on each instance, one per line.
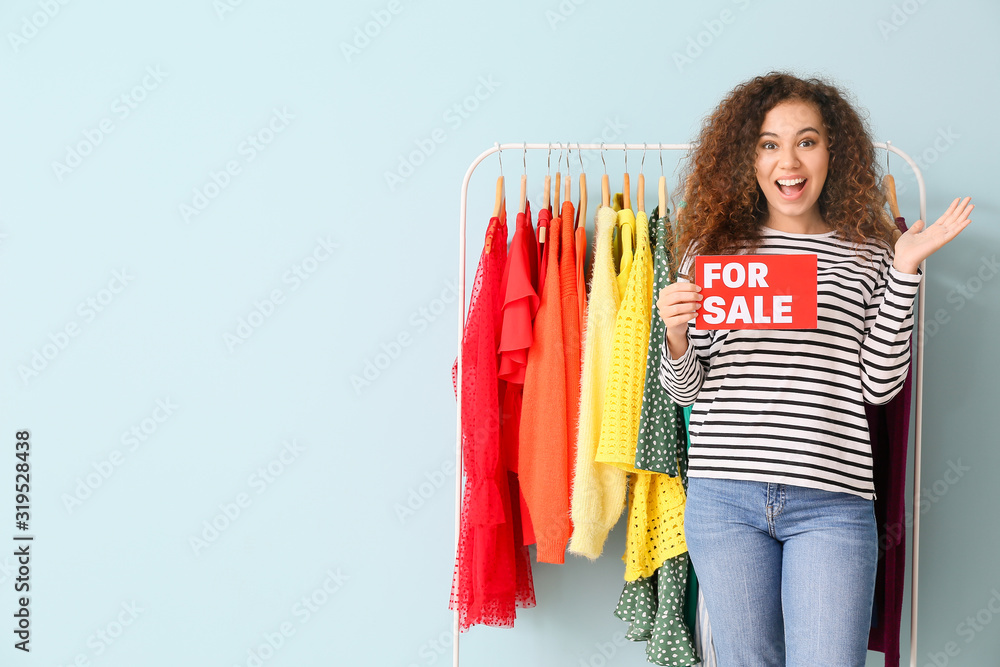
(486, 586)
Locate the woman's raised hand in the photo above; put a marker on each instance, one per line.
(919, 243)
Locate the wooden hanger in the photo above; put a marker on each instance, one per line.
(499, 209)
(626, 228)
(605, 185)
(626, 202)
(524, 180)
(547, 195)
(640, 192)
(499, 200)
(889, 188)
(662, 198)
(661, 190)
(581, 209)
(567, 196)
(557, 201)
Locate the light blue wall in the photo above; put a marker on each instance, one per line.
(331, 125)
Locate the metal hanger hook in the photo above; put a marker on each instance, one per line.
(548, 162)
(887, 169)
(626, 157)
(602, 159)
(524, 158)
(643, 162)
(579, 154)
(499, 157)
(661, 161)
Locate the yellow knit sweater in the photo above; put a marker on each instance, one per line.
(627, 375)
(655, 523)
(598, 489)
(656, 506)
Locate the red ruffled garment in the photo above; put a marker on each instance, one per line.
(486, 587)
(520, 303)
(520, 300)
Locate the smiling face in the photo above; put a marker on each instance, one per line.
(792, 160)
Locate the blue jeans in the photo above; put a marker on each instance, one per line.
(788, 572)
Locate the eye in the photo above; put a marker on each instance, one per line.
(807, 142)
(768, 145)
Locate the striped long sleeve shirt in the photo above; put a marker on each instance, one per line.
(787, 405)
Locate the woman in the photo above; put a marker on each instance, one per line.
(780, 521)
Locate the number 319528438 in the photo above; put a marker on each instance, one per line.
(22, 481)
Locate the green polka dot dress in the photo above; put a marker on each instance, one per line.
(656, 607)
(661, 424)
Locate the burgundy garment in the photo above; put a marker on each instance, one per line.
(889, 429)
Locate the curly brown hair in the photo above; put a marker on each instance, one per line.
(724, 206)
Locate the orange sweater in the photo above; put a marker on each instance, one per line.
(547, 443)
(571, 333)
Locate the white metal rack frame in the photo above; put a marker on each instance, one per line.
(918, 352)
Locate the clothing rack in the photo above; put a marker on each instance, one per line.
(918, 353)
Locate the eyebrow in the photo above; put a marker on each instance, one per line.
(802, 131)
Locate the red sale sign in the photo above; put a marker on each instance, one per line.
(756, 291)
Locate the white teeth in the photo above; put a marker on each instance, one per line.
(791, 181)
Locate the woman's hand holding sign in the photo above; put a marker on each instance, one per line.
(678, 304)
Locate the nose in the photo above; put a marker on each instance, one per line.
(789, 159)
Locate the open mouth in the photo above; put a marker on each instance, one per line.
(792, 187)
